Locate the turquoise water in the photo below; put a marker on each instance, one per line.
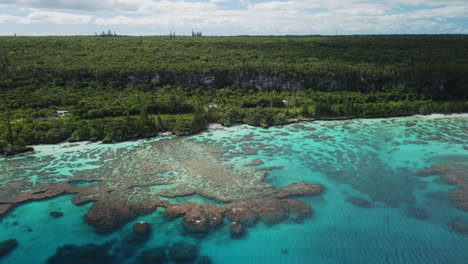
(372, 159)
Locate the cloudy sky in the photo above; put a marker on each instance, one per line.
(230, 17)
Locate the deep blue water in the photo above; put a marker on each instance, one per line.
(372, 159)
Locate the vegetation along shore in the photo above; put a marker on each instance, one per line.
(118, 88)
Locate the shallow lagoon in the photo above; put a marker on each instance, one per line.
(396, 217)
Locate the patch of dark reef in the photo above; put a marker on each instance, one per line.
(359, 202)
(9, 152)
(79, 183)
(90, 254)
(114, 253)
(416, 212)
(56, 214)
(453, 173)
(7, 246)
(116, 202)
(459, 226)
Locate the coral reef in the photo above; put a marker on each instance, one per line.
(237, 229)
(90, 254)
(141, 229)
(153, 256)
(459, 226)
(131, 182)
(56, 214)
(359, 202)
(453, 174)
(7, 246)
(299, 189)
(417, 213)
(180, 252)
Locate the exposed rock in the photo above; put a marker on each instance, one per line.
(299, 189)
(181, 252)
(56, 214)
(7, 246)
(142, 229)
(237, 229)
(89, 254)
(153, 256)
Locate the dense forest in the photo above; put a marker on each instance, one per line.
(122, 87)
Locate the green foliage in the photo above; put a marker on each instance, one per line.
(117, 88)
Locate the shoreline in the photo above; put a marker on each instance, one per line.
(30, 148)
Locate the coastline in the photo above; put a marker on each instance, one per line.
(30, 148)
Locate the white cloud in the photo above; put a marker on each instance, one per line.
(269, 17)
(448, 12)
(47, 17)
(141, 6)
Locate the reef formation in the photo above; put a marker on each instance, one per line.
(133, 182)
(457, 174)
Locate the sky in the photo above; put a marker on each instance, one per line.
(229, 17)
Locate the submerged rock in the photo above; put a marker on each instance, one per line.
(417, 212)
(7, 246)
(141, 229)
(89, 254)
(15, 151)
(452, 174)
(181, 252)
(237, 229)
(359, 202)
(458, 226)
(195, 222)
(153, 256)
(121, 188)
(254, 162)
(299, 189)
(56, 214)
(270, 211)
(109, 213)
(204, 260)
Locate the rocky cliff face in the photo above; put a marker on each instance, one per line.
(261, 82)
